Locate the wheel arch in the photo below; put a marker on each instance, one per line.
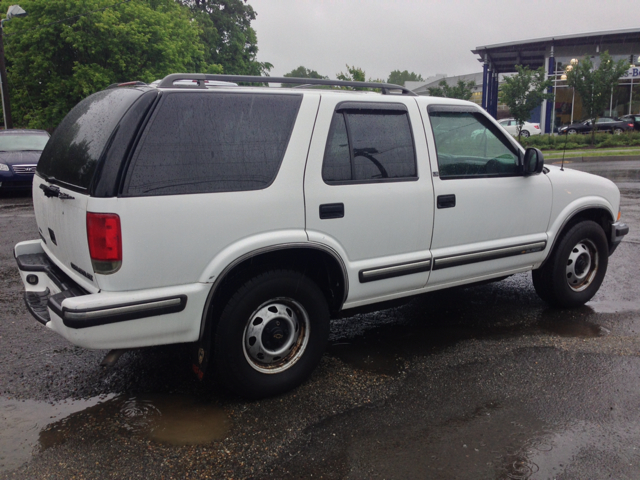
(321, 263)
(597, 213)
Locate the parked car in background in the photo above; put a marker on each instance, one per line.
(528, 129)
(633, 118)
(19, 154)
(603, 124)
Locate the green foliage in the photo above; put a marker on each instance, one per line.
(398, 78)
(355, 74)
(53, 64)
(602, 140)
(594, 85)
(227, 35)
(301, 72)
(524, 91)
(462, 90)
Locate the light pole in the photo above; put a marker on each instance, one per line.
(13, 11)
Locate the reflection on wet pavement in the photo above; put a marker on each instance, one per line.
(380, 342)
(166, 418)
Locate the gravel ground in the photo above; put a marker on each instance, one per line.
(483, 382)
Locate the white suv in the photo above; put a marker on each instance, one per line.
(241, 219)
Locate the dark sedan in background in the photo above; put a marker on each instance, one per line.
(633, 118)
(603, 124)
(19, 154)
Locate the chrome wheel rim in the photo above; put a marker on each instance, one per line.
(582, 265)
(276, 335)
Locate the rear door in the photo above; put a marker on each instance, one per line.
(369, 195)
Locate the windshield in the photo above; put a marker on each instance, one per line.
(12, 143)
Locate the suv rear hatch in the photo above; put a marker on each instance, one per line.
(67, 173)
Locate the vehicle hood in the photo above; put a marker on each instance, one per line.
(24, 157)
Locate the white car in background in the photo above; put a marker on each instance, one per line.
(528, 129)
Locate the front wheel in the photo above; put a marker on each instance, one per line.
(576, 268)
(271, 334)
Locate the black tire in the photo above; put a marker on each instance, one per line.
(525, 133)
(617, 131)
(576, 268)
(271, 334)
(572, 131)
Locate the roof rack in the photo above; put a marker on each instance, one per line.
(135, 83)
(386, 88)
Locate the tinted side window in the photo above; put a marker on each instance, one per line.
(72, 153)
(212, 142)
(469, 145)
(369, 145)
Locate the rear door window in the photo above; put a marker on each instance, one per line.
(199, 142)
(368, 143)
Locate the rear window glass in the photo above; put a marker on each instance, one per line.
(72, 154)
(212, 142)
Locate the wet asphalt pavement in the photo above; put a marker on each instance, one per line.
(483, 382)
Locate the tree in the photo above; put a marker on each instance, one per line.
(356, 74)
(398, 78)
(524, 91)
(227, 35)
(594, 85)
(462, 90)
(302, 72)
(64, 51)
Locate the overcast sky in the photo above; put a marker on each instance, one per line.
(426, 37)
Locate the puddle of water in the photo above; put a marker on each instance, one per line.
(164, 418)
(23, 420)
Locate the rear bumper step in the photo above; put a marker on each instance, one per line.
(42, 303)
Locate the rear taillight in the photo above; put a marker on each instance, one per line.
(105, 242)
(629, 124)
(537, 126)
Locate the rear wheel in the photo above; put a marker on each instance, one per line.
(271, 334)
(525, 133)
(617, 131)
(572, 131)
(576, 268)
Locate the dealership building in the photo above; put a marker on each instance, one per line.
(554, 54)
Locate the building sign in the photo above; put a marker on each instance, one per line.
(632, 73)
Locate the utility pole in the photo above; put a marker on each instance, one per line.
(13, 11)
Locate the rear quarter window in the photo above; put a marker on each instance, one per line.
(199, 142)
(71, 156)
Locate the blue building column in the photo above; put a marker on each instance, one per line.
(485, 83)
(494, 94)
(551, 106)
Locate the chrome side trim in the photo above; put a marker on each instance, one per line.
(390, 271)
(130, 309)
(474, 257)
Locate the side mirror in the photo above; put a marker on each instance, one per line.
(533, 161)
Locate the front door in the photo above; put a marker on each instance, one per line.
(490, 219)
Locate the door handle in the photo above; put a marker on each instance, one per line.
(446, 201)
(331, 210)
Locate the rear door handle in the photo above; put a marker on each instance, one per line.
(446, 201)
(331, 210)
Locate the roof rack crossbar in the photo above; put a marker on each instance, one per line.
(386, 88)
